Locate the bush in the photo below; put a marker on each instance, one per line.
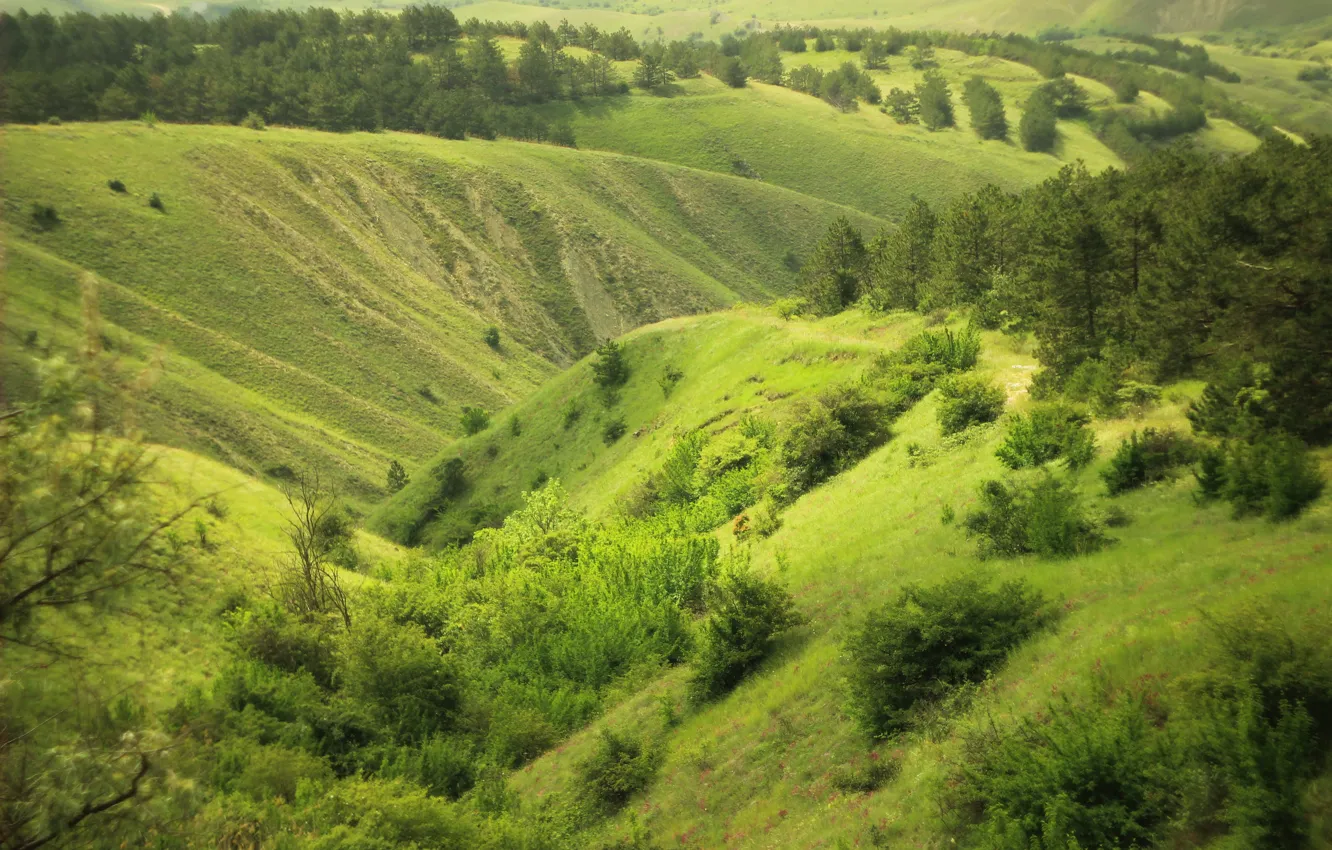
(930, 640)
(155, 201)
(618, 768)
(829, 435)
(116, 186)
(968, 401)
(1102, 779)
(44, 217)
(955, 352)
(789, 308)
(876, 772)
(1045, 519)
(492, 337)
(474, 420)
(609, 369)
(396, 478)
(746, 613)
(278, 640)
(1147, 459)
(613, 431)
(1273, 475)
(669, 378)
(1050, 431)
(253, 121)
(401, 673)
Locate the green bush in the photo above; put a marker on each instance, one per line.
(929, 640)
(445, 767)
(401, 673)
(613, 431)
(1050, 431)
(253, 121)
(1044, 519)
(44, 217)
(746, 613)
(270, 635)
(492, 337)
(830, 434)
(474, 420)
(155, 201)
(116, 186)
(1103, 779)
(1147, 459)
(669, 378)
(955, 352)
(617, 769)
(1273, 475)
(967, 401)
(396, 478)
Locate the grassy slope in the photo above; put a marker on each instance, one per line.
(322, 297)
(733, 363)
(752, 770)
(861, 159)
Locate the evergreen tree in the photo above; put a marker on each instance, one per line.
(902, 261)
(964, 256)
(835, 273)
(1037, 127)
(936, 101)
(903, 106)
(397, 476)
(987, 109)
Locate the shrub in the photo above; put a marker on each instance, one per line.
(570, 413)
(873, 775)
(930, 640)
(968, 401)
(789, 308)
(746, 613)
(116, 186)
(618, 768)
(253, 121)
(518, 735)
(44, 217)
(1147, 459)
(613, 431)
(1050, 431)
(399, 671)
(1273, 475)
(445, 767)
(492, 336)
(269, 635)
(609, 369)
(155, 201)
(54, 120)
(397, 476)
(1045, 519)
(1102, 779)
(474, 420)
(955, 352)
(669, 378)
(830, 434)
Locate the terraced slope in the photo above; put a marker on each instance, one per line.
(322, 300)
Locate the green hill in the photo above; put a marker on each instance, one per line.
(323, 299)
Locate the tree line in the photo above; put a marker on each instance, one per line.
(1186, 266)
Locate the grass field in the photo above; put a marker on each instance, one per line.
(322, 298)
(754, 769)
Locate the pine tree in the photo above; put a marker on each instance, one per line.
(1036, 130)
(987, 109)
(835, 273)
(902, 261)
(936, 101)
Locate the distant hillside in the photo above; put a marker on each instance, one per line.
(323, 299)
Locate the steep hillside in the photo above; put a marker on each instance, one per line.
(760, 768)
(322, 300)
(727, 365)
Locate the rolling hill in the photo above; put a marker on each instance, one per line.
(323, 299)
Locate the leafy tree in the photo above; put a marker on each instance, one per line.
(936, 101)
(761, 59)
(902, 261)
(987, 109)
(835, 272)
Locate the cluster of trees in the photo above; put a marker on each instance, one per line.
(843, 88)
(316, 68)
(1175, 55)
(1186, 265)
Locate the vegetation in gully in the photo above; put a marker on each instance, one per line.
(840, 436)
